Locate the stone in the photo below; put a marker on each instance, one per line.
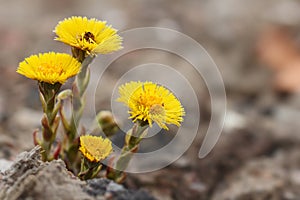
(5, 165)
(30, 178)
(111, 190)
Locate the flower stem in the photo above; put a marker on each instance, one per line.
(50, 121)
(89, 170)
(79, 87)
(132, 140)
(78, 103)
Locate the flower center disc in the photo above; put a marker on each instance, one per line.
(45, 68)
(157, 110)
(89, 37)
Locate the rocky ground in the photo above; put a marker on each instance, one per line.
(255, 44)
(31, 178)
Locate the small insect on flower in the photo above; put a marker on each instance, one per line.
(90, 35)
(49, 67)
(150, 102)
(95, 148)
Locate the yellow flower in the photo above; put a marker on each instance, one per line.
(95, 148)
(90, 35)
(49, 67)
(150, 102)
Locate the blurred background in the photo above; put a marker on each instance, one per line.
(255, 44)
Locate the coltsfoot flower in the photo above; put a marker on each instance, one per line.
(150, 103)
(49, 67)
(95, 148)
(90, 35)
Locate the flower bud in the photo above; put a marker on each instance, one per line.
(107, 123)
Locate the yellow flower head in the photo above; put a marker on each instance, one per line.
(90, 35)
(49, 67)
(95, 148)
(150, 102)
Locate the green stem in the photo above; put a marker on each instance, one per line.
(89, 170)
(78, 103)
(48, 94)
(80, 85)
(132, 141)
